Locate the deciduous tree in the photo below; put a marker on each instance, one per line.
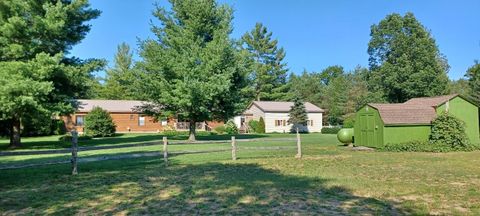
(405, 61)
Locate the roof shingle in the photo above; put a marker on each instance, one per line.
(431, 101)
(281, 106)
(394, 114)
(110, 105)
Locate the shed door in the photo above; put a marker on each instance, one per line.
(367, 129)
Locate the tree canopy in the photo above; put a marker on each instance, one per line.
(121, 81)
(193, 69)
(473, 78)
(405, 61)
(36, 77)
(269, 73)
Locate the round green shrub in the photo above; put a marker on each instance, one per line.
(99, 123)
(220, 129)
(253, 126)
(231, 128)
(448, 130)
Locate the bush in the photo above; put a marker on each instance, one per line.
(37, 124)
(58, 127)
(99, 123)
(261, 126)
(169, 131)
(423, 146)
(349, 121)
(332, 130)
(231, 128)
(448, 130)
(220, 129)
(254, 126)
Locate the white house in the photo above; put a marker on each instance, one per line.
(275, 115)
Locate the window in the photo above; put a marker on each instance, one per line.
(141, 121)
(280, 123)
(79, 120)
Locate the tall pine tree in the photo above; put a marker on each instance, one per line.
(269, 72)
(36, 79)
(193, 69)
(405, 61)
(298, 115)
(121, 80)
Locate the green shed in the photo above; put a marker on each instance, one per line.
(377, 125)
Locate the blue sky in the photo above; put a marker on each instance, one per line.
(315, 34)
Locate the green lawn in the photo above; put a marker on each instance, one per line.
(330, 179)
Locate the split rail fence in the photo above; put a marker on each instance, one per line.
(75, 159)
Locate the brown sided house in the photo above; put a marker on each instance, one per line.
(127, 119)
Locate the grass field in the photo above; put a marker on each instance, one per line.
(330, 179)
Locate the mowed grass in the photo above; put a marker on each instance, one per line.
(330, 179)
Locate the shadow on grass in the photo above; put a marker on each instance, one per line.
(145, 186)
(121, 139)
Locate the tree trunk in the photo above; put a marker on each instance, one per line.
(15, 140)
(192, 128)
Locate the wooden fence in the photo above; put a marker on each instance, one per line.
(165, 143)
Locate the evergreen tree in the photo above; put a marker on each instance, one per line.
(261, 126)
(405, 61)
(193, 69)
(297, 115)
(473, 77)
(35, 76)
(269, 72)
(121, 80)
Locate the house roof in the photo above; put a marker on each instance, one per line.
(282, 106)
(398, 114)
(431, 101)
(110, 105)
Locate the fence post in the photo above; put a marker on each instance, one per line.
(234, 148)
(299, 146)
(74, 151)
(165, 151)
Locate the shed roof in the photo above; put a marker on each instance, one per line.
(431, 101)
(414, 111)
(110, 105)
(397, 114)
(283, 106)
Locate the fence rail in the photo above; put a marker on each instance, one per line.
(143, 144)
(75, 159)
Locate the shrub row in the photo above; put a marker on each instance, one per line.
(333, 130)
(425, 146)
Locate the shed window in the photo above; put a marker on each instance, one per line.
(79, 120)
(141, 121)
